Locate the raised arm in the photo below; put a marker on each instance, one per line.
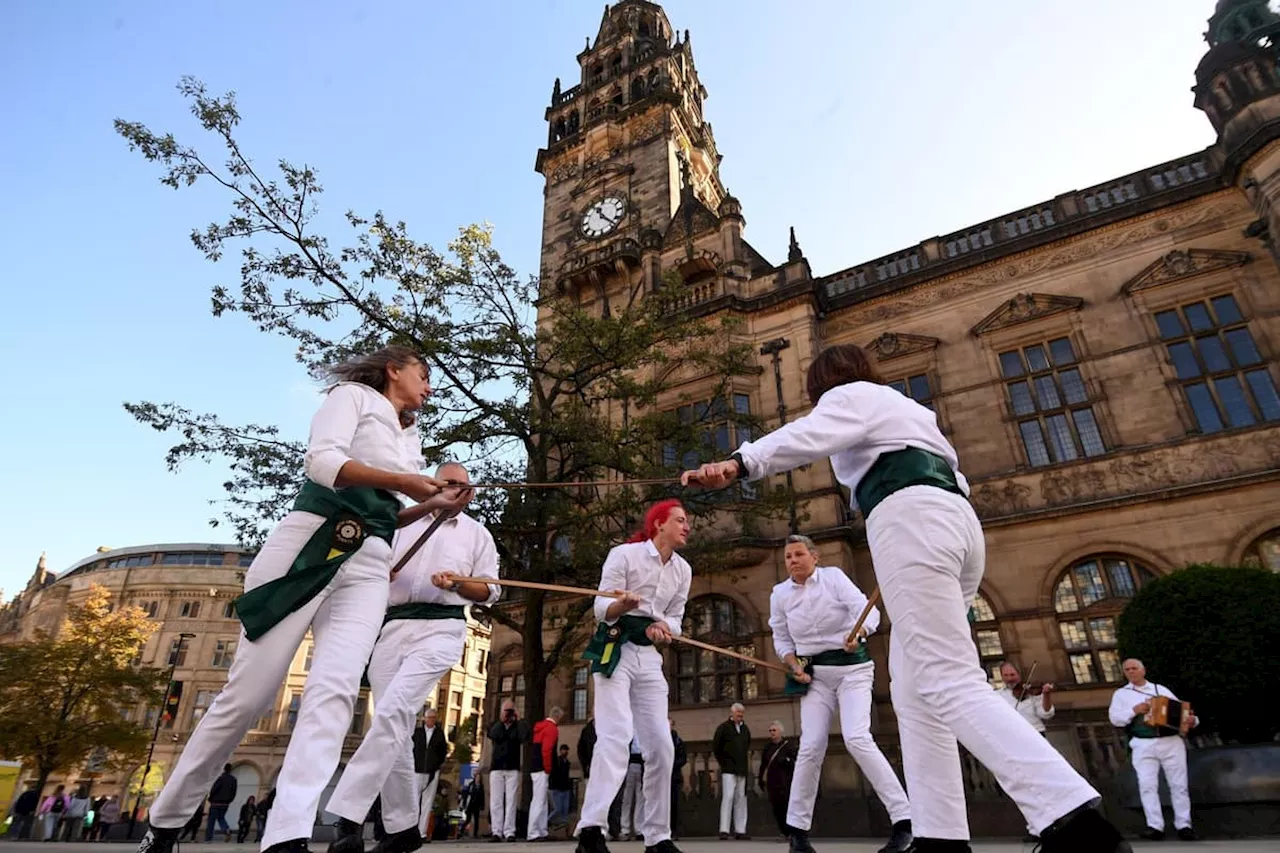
(848, 593)
(837, 422)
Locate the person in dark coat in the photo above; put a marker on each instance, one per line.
(191, 827)
(777, 766)
(220, 797)
(245, 823)
(24, 813)
(677, 776)
(586, 749)
(262, 811)
(731, 745)
(474, 806)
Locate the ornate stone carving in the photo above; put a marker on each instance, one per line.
(1024, 307)
(1182, 264)
(897, 344)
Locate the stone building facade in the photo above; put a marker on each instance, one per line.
(189, 589)
(1104, 361)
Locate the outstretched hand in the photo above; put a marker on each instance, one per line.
(712, 475)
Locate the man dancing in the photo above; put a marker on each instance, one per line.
(811, 615)
(631, 691)
(422, 638)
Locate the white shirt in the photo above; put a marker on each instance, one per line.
(461, 546)
(1030, 707)
(356, 423)
(663, 589)
(853, 424)
(1124, 700)
(817, 616)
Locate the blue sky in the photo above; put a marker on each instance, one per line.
(867, 126)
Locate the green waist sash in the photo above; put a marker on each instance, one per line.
(603, 650)
(1138, 728)
(832, 657)
(351, 516)
(425, 610)
(901, 468)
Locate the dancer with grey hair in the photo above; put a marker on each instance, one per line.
(423, 635)
(322, 569)
(811, 614)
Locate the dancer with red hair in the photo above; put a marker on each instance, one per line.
(631, 691)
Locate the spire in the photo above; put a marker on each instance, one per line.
(793, 252)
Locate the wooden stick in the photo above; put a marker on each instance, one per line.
(654, 481)
(548, 587)
(866, 611)
(732, 654)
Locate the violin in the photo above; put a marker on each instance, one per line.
(1035, 688)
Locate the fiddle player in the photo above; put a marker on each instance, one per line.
(1033, 701)
(1154, 749)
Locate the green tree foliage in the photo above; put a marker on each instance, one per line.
(579, 392)
(1211, 633)
(62, 696)
(463, 735)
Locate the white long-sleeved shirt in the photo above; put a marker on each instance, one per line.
(1126, 698)
(1030, 707)
(461, 546)
(818, 615)
(853, 424)
(663, 588)
(355, 422)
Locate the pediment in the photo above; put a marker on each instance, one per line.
(690, 219)
(1024, 308)
(1182, 264)
(897, 344)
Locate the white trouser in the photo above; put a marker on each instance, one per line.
(733, 803)
(928, 551)
(633, 702)
(1149, 756)
(632, 798)
(344, 618)
(504, 799)
(538, 804)
(428, 784)
(849, 689)
(410, 658)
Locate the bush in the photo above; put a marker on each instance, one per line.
(1212, 635)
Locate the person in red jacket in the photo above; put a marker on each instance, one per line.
(545, 736)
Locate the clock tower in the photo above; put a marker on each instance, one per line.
(631, 167)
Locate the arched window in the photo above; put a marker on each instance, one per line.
(1087, 598)
(986, 636)
(1265, 551)
(703, 677)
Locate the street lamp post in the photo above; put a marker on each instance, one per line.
(774, 348)
(142, 783)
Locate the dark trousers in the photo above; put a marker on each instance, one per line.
(219, 814)
(615, 815)
(675, 806)
(22, 826)
(779, 805)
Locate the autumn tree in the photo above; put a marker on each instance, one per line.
(529, 384)
(65, 695)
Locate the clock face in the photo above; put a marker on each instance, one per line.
(603, 216)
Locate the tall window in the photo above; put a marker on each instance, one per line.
(223, 654)
(204, 698)
(720, 431)
(177, 652)
(580, 679)
(1222, 374)
(229, 610)
(291, 713)
(1265, 551)
(1048, 397)
(189, 610)
(1088, 598)
(358, 713)
(916, 387)
(703, 677)
(306, 661)
(986, 636)
(510, 687)
(151, 608)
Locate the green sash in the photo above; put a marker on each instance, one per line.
(899, 469)
(425, 610)
(603, 650)
(351, 516)
(832, 657)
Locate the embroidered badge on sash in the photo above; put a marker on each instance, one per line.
(348, 535)
(612, 633)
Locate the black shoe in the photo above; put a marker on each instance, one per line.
(348, 837)
(404, 841)
(666, 845)
(741, 836)
(1150, 834)
(159, 840)
(940, 845)
(591, 840)
(900, 840)
(1187, 834)
(724, 836)
(1084, 830)
(800, 841)
(293, 845)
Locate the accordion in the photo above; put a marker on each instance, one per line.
(1168, 714)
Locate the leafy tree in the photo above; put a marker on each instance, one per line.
(463, 738)
(1211, 634)
(530, 384)
(64, 695)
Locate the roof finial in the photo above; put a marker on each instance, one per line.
(793, 252)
